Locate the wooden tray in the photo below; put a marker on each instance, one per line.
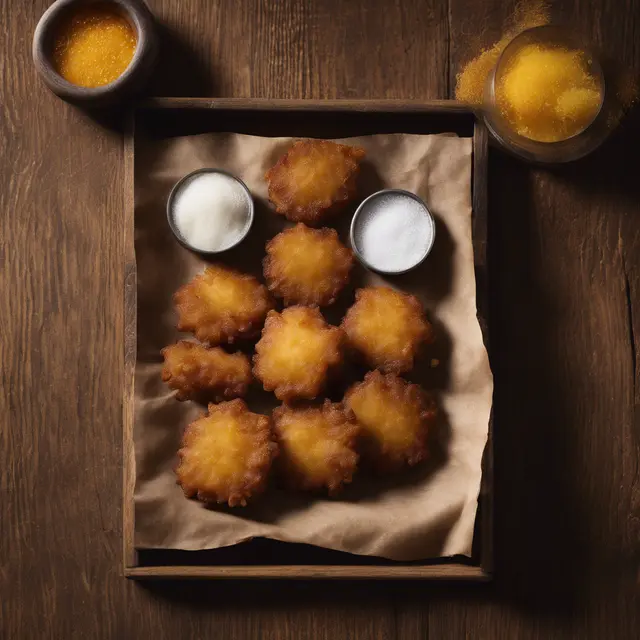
(166, 117)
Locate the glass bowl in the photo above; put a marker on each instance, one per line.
(573, 148)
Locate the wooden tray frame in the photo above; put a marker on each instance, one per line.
(479, 567)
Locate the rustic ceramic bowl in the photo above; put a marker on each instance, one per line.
(134, 76)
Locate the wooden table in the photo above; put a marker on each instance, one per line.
(565, 269)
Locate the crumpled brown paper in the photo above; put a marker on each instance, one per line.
(426, 512)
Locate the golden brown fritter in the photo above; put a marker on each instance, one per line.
(317, 446)
(296, 353)
(394, 417)
(387, 328)
(314, 180)
(307, 266)
(193, 370)
(226, 455)
(222, 305)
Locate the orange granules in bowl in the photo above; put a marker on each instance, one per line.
(93, 45)
(548, 93)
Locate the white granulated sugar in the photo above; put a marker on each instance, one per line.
(211, 211)
(393, 232)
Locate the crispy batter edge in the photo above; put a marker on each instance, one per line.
(185, 386)
(343, 427)
(256, 478)
(384, 460)
(397, 365)
(338, 280)
(225, 329)
(317, 212)
(288, 392)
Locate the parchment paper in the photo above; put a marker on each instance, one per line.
(426, 512)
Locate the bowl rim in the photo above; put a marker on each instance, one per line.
(138, 14)
(358, 213)
(171, 221)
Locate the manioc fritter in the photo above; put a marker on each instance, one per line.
(395, 418)
(193, 370)
(387, 328)
(317, 446)
(314, 180)
(296, 353)
(222, 305)
(226, 455)
(307, 266)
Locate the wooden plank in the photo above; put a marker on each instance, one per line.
(392, 105)
(434, 572)
(61, 282)
(130, 314)
(313, 49)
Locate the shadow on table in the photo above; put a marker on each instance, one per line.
(539, 543)
(168, 79)
(611, 173)
(543, 547)
(181, 71)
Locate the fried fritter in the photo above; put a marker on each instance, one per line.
(296, 353)
(387, 328)
(395, 418)
(193, 370)
(226, 455)
(314, 180)
(307, 266)
(317, 446)
(222, 305)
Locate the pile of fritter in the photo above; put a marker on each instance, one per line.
(383, 421)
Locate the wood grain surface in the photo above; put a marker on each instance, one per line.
(565, 272)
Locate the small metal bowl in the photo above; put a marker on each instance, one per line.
(176, 232)
(127, 84)
(353, 233)
(572, 148)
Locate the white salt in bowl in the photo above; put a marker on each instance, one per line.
(392, 231)
(210, 211)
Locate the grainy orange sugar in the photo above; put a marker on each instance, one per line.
(93, 46)
(471, 80)
(622, 84)
(547, 93)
